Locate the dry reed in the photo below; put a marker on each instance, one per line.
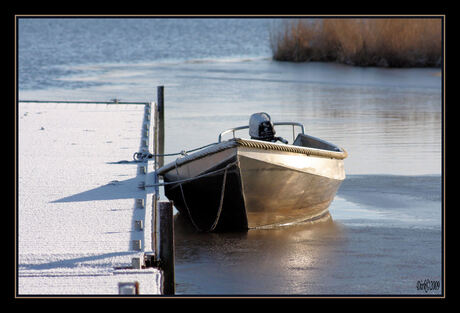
(388, 42)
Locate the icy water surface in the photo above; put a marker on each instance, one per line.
(382, 243)
(385, 232)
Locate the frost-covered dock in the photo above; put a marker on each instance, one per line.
(80, 223)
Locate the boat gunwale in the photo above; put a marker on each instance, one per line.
(259, 144)
(256, 144)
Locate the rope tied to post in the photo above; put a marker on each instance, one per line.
(180, 181)
(142, 156)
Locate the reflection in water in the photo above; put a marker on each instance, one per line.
(283, 260)
(384, 233)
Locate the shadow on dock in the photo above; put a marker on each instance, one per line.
(73, 263)
(116, 189)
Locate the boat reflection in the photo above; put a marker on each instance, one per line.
(284, 260)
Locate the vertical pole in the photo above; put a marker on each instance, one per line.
(161, 125)
(293, 134)
(166, 245)
(155, 136)
(156, 194)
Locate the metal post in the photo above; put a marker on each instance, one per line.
(156, 194)
(161, 125)
(166, 245)
(293, 134)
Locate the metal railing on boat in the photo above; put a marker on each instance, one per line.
(293, 124)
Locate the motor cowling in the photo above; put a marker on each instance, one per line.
(261, 127)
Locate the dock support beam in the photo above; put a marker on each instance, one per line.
(166, 246)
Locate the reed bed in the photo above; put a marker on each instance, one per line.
(384, 42)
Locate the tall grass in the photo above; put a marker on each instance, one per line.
(388, 42)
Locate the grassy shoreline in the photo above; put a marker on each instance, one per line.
(382, 42)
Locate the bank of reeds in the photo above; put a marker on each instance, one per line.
(386, 42)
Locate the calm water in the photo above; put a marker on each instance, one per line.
(385, 233)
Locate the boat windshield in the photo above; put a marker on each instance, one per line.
(234, 129)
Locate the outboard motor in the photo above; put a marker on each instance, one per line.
(261, 128)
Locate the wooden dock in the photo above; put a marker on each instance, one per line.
(86, 219)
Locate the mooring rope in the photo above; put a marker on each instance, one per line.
(191, 178)
(219, 211)
(185, 202)
(142, 156)
(222, 193)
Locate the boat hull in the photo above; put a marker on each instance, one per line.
(240, 188)
(211, 203)
(276, 194)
